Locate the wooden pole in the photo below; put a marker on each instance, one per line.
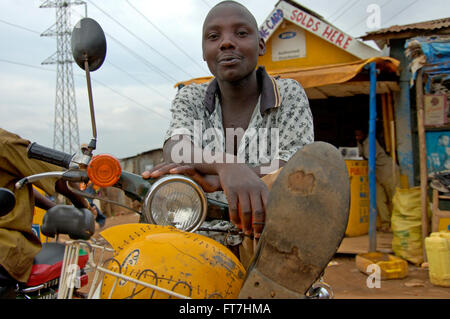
(423, 157)
(394, 157)
(386, 123)
(390, 109)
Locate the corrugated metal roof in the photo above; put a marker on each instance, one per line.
(432, 25)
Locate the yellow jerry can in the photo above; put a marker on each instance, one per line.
(358, 219)
(391, 267)
(437, 246)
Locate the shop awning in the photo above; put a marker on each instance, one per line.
(333, 80)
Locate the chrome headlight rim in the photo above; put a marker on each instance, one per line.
(176, 178)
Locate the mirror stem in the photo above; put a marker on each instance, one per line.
(91, 102)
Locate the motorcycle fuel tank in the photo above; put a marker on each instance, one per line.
(186, 263)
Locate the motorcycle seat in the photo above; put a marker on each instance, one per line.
(48, 263)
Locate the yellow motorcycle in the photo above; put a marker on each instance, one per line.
(161, 257)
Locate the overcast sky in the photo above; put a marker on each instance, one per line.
(133, 89)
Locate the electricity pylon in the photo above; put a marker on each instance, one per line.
(65, 130)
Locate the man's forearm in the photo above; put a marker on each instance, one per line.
(42, 201)
(183, 151)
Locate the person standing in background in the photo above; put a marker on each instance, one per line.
(385, 182)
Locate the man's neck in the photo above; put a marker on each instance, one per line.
(236, 94)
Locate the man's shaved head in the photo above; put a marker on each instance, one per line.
(230, 3)
(230, 42)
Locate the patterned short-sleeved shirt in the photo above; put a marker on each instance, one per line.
(280, 125)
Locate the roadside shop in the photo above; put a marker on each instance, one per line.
(335, 70)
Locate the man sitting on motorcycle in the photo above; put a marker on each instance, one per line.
(219, 135)
(18, 244)
(241, 98)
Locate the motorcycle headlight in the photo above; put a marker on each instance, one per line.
(177, 201)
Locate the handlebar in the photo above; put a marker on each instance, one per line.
(70, 175)
(49, 155)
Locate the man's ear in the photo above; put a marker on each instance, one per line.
(203, 53)
(262, 46)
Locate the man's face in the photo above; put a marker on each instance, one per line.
(444, 140)
(230, 43)
(359, 136)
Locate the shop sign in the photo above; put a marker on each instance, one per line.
(271, 23)
(435, 109)
(316, 26)
(290, 44)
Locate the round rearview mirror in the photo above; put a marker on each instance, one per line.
(88, 43)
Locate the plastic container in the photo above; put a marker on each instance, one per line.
(358, 219)
(38, 216)
(437, 246)
(444, 224)
(391, 267)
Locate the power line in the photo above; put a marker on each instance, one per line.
(18, 26)
(341, 8)
(141, 40)
(160, 31)
(27, 65)
(395, 15)
(364, 18)
(207, 4)
(120, 69)
(94, 80)
(140, 58)
(345, 11)
(133, 100)
(140, 81)
(143, 60)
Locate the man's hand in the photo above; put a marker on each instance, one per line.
(93, 210)
(246, 195)
(78, 201)
(209, 183)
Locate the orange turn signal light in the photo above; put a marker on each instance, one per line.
(104, 170)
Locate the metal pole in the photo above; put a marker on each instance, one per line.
(372, 180)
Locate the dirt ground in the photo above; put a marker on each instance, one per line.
(348, 282)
